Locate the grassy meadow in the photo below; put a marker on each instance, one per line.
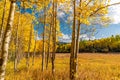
(90, 67)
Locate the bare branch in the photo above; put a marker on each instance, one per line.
(103, 8)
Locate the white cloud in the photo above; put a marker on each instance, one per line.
(61, 14)
(87, 37)
(67, 38)
(38, 38)
(114, 12)
(114, 1)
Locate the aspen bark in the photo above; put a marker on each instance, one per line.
(77, 50)
(54, 35)
(34, 51)
(73, 47)
(29, 46)
(43, 53)
(77, 43)
(52, 57)
(2, 25)
(16, 45)
(48, 54)
(6, 40)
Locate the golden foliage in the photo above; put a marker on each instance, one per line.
(24, 28)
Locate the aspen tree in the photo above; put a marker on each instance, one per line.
(6, 40)
(2, 24)
(35, 44)
(16, 44)
(73, 43)
(43, 53)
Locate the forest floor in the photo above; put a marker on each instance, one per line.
(90, 67)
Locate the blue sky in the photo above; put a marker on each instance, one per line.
(101, 32)
(114, 27)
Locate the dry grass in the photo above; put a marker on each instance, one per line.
(91, 67)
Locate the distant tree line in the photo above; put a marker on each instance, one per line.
(111, 44)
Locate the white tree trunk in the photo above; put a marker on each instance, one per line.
(29, 46)
(44, 31)
(6, 40)
(16, 45)
(2, 25)
(48, 54)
